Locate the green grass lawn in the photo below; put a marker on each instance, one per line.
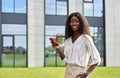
(55, 72)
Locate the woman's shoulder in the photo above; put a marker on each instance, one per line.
(86, 36)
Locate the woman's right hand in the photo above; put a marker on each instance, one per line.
(55, 44)
(56, 47)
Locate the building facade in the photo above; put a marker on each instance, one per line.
(26, 26)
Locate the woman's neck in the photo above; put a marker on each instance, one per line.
(75, 36)
(76, 33)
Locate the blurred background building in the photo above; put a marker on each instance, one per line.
(27, 25)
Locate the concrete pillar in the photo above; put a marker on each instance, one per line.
(112, 15)
(35, 33)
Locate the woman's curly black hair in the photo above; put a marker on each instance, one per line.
(84, 26)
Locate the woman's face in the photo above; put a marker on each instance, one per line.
(74, 23)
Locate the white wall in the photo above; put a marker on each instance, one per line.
(112, 14)
(35, 33)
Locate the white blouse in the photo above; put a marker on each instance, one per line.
(81, 51)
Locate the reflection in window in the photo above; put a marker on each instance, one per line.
(61, 8)
(7, 43)
(20, 6)
(88, 0)
(50, 6)
(20, 50)
(91, 31)
(98, 8)
(88, 9)
(20, 41)
(55, 30)
(54, 7)
(58, 33)
(97, 34)
(50, 51)
(96, 31)
(13, 29)
(94, 8)
(14, 6)
(7, 5)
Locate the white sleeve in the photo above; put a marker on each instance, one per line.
(94, 54)
(65, 59)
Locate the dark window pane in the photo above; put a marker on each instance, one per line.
(91, 30)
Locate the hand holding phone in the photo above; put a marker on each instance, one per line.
(54, 41)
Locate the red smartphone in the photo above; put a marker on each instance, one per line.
(54, 41)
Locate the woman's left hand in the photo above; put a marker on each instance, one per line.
(81, 76)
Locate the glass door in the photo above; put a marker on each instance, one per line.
(8, 55)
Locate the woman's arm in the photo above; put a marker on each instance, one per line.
(58, 48)
(62, 56)
(89, 70)
(56, 45)
(94, 55)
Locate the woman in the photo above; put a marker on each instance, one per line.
(79, 48)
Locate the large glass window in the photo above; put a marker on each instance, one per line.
(94, 8)
(20, 51)
(97, 34)
(15, 35)
(54, 7)
(52, 58)
(14, 6)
